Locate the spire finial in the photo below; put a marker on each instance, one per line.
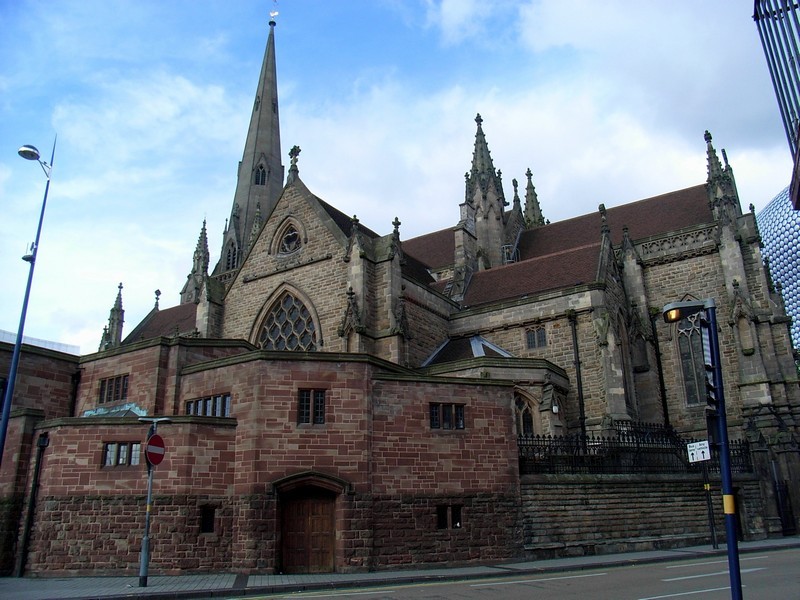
(158, 295)
(478, 119)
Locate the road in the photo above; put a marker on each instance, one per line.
(773, 575)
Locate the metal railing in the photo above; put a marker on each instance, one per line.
(629, 451)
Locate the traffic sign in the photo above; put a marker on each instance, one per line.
(698, 451)
(154, 449)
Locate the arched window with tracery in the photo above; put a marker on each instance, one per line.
(690, 351)
(260, 176)
(288, 326)
(524, 416)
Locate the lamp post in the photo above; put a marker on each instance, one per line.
(144, 558)
(29, 153)
(676, 311)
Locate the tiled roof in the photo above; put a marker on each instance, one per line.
(566, 268)
(565, 253)
(645, 218)
(433, 249)
(179, 319)
(462, 348)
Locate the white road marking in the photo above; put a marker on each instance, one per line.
(535, 580)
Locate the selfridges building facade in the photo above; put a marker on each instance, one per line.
(779, 225)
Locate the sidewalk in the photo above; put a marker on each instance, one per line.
(229, 585)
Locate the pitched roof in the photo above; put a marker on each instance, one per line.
(168, 322)
(565, 253)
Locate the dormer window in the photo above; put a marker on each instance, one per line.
(261, 175)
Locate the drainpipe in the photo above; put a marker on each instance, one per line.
(661, 386)
(573, 321)
(41, 444)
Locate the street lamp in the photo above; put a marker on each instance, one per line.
(673, 312)
(28, 153)
(144, 557)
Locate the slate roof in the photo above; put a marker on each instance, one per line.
(178, 319)
(565, 253)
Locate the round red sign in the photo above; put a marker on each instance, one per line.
(154, 449)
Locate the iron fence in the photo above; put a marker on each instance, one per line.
(629, 451)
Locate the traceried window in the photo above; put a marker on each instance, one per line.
(290, 240)
(289, 326)
(113, 389)
(311, 407)
(690, 348)
(536, 337)
(260, 176)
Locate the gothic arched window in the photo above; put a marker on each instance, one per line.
(288, 326)
(290, 240)
(260, 176)
(524, 416)
(690, 351)
(231, 257)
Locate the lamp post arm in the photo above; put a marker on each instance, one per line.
(12, 372)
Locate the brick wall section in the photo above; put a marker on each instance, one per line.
(416, 468)
(585, 515)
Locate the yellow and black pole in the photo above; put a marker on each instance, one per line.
(676, 311)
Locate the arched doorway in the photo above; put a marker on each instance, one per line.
(309, 511)
(308, 531)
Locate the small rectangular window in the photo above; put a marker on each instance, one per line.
(110, 455)
(319, 407)
(448, 516)
(447, 416)
(121, 454)
(311, 407)
(190, 407)
(207, 518)
(435, 421)
(212, 406)
(113, 389)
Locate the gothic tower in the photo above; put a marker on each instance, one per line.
(260, 177)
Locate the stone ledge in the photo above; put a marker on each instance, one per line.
(595, 548)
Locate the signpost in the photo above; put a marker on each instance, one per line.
(700, 452)
(154, 451)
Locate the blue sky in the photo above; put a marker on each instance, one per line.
(606, 102)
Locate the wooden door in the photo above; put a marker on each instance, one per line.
(308, 532)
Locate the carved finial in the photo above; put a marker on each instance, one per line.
(478, 119)
(752, 208)
(707, 137)
(158, 295)
(293, 154)
(396, 224)
(528, 174)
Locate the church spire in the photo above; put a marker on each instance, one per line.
(482, 173)
(194, 281)
(260, 178)
(112, 333)
(533, 212)
(723, 199)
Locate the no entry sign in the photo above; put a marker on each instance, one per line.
(154, 449)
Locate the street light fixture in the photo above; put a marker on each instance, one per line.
(28, 153)
(673, 312)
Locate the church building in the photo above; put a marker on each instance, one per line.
(336, 399)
